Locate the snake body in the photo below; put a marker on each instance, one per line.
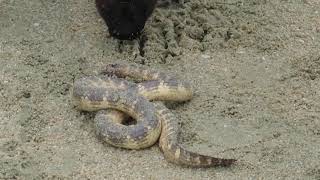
(116, 99)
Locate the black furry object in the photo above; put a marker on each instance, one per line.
(125, 18)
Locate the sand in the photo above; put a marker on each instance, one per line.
(254, 66)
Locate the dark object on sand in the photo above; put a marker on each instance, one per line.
(125, 18)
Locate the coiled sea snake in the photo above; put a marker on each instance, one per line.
(116, 98)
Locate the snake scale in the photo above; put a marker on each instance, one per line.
(116, 99)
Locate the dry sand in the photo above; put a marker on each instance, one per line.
(254, 66)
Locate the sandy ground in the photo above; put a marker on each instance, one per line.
(254, 66)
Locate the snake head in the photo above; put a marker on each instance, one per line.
(125, 18)
(113, 70)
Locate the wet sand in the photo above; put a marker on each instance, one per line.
(254, 66)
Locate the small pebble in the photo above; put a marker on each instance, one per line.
(205, 56)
